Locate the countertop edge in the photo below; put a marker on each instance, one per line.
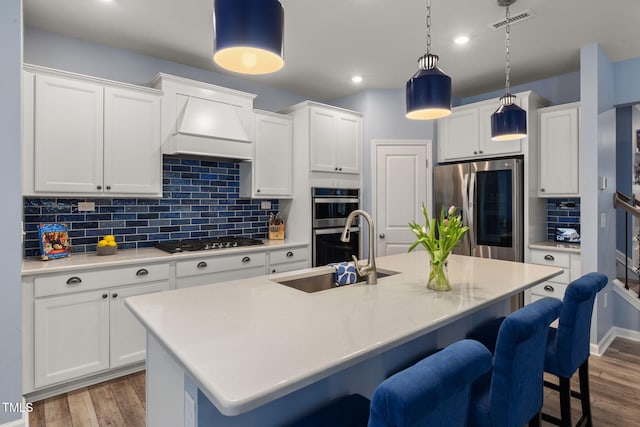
(33, 266)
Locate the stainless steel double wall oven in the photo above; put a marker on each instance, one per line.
(330, 209)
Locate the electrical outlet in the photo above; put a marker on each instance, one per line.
(605, 300)
(265, 205)
(603, 220)
(86, 206)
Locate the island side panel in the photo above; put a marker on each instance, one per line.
(165, 387)
(361, 378)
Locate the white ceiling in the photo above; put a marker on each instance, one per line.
(327, 41)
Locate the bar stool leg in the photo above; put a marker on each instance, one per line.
(565, 402)
(585, 397)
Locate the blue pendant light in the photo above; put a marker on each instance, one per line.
(248, 35)
(428, 92)
(509, 122)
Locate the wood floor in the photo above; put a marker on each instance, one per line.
(614, 380)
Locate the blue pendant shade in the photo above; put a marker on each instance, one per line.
(248, 35)
(509, 122)
(428, 91)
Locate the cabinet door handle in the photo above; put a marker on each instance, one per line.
(142, 272)
(549, 258)
(75, 280)
(104, 296)
(549, 288)
(246, 259)
(381, 235)
(99, 187)
(202, 264)
(108, 187)
(289, 254)
(115, 295)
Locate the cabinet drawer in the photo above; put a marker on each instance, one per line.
(288, 255)
(552, 258)
(290, 266)
(549, 289)
(97, 279)
(209, 265)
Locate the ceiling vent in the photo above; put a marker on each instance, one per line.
(518, 17)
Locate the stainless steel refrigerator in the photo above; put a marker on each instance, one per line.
(490, 196)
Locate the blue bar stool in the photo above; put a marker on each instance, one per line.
(511, 395)
(568, 347)
(434, 391)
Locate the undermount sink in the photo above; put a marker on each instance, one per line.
(324, 281)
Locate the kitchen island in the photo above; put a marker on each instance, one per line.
(254, 352)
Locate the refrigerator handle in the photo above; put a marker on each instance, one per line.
(470, 210)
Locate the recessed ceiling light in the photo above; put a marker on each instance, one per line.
(461, 40)
(356, 79)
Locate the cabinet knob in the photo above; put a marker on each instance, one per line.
(108, 187)
(246, 259)
(340, 169)
(549, 258)
(142, 272)
(381, 235)
(549, 288)
(273, 271)
(258, 190)
(115, 295)
(289, 254)
(75, 280)
(481, 151)
(104, 296)
(99, 187)
(202, 264)
(475, 152)
(335, 169)
(542, 190)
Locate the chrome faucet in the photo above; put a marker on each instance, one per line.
(368, 270)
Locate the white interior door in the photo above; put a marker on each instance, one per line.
(402, 182)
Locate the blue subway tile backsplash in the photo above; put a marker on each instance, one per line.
(563, 212)
(200, 199)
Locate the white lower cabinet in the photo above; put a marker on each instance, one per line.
(288, 260)
(556, 287)
(71, 336)
(82, 327)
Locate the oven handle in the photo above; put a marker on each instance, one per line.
(338, 230)
(334, 200)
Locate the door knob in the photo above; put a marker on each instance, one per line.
(381, 235)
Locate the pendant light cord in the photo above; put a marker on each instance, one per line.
(507, 44)
(428, 21)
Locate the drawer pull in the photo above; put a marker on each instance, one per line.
(75, 280)
(104, 296)
(202, 264)
(142, 272)
(549, 288)
(289, 254)
(549, 258)
(115, 295)
(246, 259)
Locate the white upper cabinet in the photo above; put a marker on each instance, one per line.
(68, 135)
(335, 139)
(466, 133)
(559, 151)
(132, 142)
(270, 175)
(86, 136)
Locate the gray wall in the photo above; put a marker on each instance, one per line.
(71, 54)
(11, 215)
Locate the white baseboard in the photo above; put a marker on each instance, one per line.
(615, 332)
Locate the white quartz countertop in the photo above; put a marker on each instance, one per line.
(251, 341)
(90, 260)
(556, 246)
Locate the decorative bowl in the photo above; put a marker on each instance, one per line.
(106, 250)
